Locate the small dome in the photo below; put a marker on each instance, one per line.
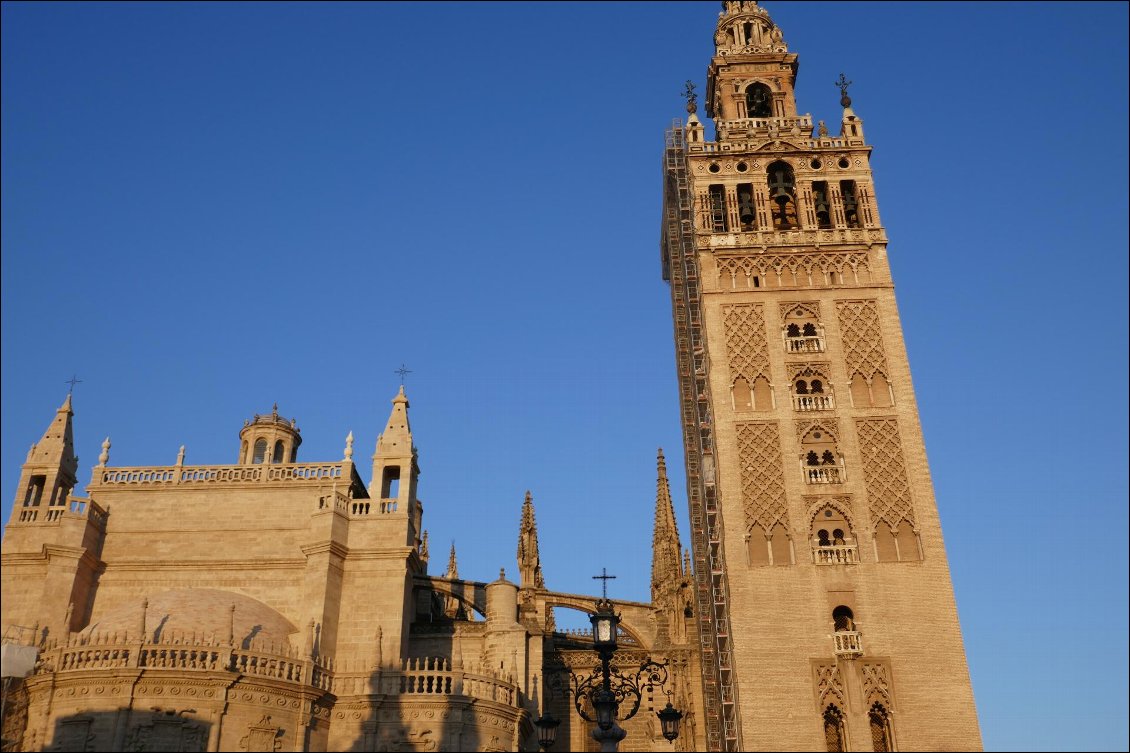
(206, 612)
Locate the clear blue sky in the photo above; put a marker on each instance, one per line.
(207, 208)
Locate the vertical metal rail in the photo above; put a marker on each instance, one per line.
(711, 590)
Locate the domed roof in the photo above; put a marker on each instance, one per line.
(205, 612)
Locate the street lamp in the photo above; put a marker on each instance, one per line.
(607, 689)
(547, 730)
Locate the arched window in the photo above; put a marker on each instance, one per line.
(802, 387)
(834, 729)
(812, 459)
(743, 397)
(838, 537)
(827, 458)
(822, 538)
(843, 619)
(792, 330)
(820, 204)
(808, 330)
(817, 387)
(832, 540)
(260, 451)
(782, 195)
(758, 101)
(820, 457)
(277, 456)
(880, 728)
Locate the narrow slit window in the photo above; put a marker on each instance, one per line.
(851, 202)
(746, 213)
(821, 205)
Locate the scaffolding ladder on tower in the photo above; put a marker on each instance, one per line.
(711, 589)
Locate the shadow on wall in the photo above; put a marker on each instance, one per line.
(156, 729)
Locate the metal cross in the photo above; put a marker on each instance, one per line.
(604, 577)
(404, 371)
(843, 83)
(690, 96)
(72, 381)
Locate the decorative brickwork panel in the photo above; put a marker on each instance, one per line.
(825, 269)
(746, 345)
(763, 481)
(876, 679)
(884, 472)
(862, 338)
(828, 684)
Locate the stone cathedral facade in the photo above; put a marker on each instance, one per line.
(274, 604)
(280, 604)
(822, 592)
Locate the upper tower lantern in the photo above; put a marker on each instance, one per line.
(269, 439)
(749, 85)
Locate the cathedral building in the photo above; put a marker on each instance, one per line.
(282, 604)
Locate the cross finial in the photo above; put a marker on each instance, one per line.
(403, 371)
(604, 577)
(72, 381)
(843, 84)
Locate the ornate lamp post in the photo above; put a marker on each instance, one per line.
(607, 690)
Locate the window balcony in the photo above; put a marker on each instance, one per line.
(806, 403)
(839, 554)
(823, 474)
(804, 344)
(849, 643)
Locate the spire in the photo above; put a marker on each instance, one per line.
(452, 568)
(666, 557)
(394, 461)
(48, 474)
(57, 444)
(529, 561)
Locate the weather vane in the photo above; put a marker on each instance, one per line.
(690, 96)
(403, 371)
(72, 381)
(604, 577)
(843, 85)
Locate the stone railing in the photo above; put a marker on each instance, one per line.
(848, 643)
(113, 652)
(823, 474)
(801, 124)
(836, 554)
(807, 403)
(428, 677)
(814, 237)
(220, 474)
(812, 344)
(73, 507)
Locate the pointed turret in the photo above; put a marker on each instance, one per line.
(529, 561)
(666, 557)
(395, 468)
(452, 568)
(48, 475)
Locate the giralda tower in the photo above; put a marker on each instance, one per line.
(826, 613)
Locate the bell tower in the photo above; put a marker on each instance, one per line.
(822, 592)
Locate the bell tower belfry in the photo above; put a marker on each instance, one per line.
(825, 610)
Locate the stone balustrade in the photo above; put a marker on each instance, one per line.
(804, 344)
(848, 643)
(220, 474)
(837, 554)
(823, 474)
(428, 676)
(84, 653)
(73, 507)
(806, 403)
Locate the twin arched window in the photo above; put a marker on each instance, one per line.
(815, 387)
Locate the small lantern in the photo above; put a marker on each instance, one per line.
(669, 719)
(547, 730)
(604, 624)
